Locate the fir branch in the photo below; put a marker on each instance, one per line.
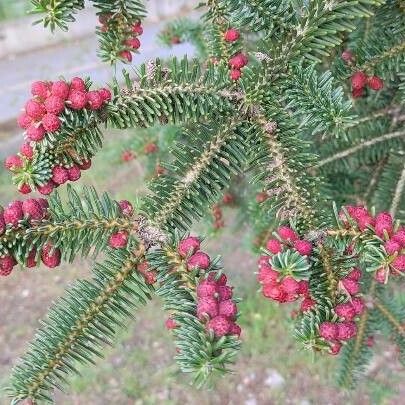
(216, 18)
(170, 95)
(329, 18)
(37, 171)
(317, 105)
(387, 313)
(390, 319)
(56, 13)
(342, 233)
(82, 225)
(394, 112)
(200, 353)
(317, 29)
(255, 119)
(280, 157)
(364, 145)
(198, 176)
(125, 8)
(395, 52)
(381, 53)
(270, 16)
(215, 10)
(401, 86)
(82, 140)
(283, 158)
(325, 257)
(389, 189)
(79, 324)
(86, 223)
(119, 16)
(281, 172)
(76, 142)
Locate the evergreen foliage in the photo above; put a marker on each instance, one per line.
(284, 127)
(118, 18)
(77, 327)
(80, 225)
(56, 13)
(199, 353)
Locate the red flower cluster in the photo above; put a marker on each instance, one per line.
(231, 35)
(336, 332)
(237, 61)
(215, 305)
(130, 34)
(49, 100)
(132, 43)
(189, 249)
(119, 240)
(126, 208)
(188, 246)
(42, 115)
(348, 310)
(279, 287)
(360, 80)
(148, 274)
(383, 226)
(170, 323)
(20, 214)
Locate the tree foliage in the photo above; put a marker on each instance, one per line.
(288, 130)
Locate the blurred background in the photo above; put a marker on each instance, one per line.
(272, 368)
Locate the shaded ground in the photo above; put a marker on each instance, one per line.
(140, 370)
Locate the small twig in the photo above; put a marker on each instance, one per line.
(398, 192)
(363, 145)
